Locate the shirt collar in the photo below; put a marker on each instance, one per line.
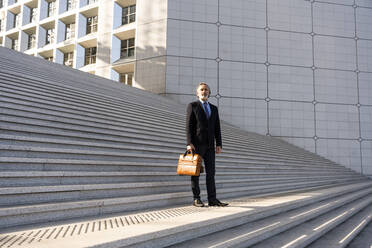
(204, 101)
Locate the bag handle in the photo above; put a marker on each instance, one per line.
(187, 152)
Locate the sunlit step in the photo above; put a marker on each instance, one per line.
(342, 235)
(262, 230)
(189, 225)
(306, 233)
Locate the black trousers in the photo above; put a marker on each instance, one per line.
(209, 158)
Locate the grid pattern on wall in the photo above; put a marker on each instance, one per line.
(294, 69)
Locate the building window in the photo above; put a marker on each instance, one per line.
(51, 8)
(90, 55)
(1, 4)
(92, 23)
(33, 15)
(71, 4)
(15, 44)
(126, 78)
(49, 58)
(92, 1)
(70, 31)
(49, 36)
(127, 48)
(16, 20)
(128, 15)
(31, 41)
(68, 59)
(1, 25)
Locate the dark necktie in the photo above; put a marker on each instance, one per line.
(206, 109)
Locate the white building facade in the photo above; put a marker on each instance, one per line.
(293, 69)
(77, 33)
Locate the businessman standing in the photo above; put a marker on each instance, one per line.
(203, 131)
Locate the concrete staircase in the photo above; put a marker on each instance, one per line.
(79, 152)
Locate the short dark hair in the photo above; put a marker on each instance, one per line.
(201, 84)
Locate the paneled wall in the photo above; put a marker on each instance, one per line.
(294, 69)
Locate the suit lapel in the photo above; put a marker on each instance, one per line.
(212, 111)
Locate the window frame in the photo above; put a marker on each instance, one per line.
(15, 44)
(33, 15)
(126, 47)
(49, 37)
(70, 5)
(68, 57)
(90, 57)
(128, 80)
(127, 17)
(31, 42)
(16, 20)
(70, 32)
(92, 24)
(91, 1)
(51, 8)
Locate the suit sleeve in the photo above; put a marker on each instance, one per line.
(190, 124)
(217, 130)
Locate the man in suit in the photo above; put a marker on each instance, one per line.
(202, 130)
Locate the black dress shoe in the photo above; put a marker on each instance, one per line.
(198, 203)
(217, 203)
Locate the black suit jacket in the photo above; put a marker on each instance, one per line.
(200, 131)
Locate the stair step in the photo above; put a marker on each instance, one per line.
(38, 178)
(303, 235)
(83, 115)
(94, 146)
(11, 196)
(84, 127)
(101, 87)
(364, 238)
(19, 130)
(183, 223)
(47, 164)
(53, 96)
(60, 153)
(313, 157)
(343, 234)
(15, 115)
(38, 213)
(266, 232)
(103, 114)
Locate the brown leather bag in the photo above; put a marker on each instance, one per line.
(190, 164)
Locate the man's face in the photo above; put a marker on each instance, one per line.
(203, 92)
